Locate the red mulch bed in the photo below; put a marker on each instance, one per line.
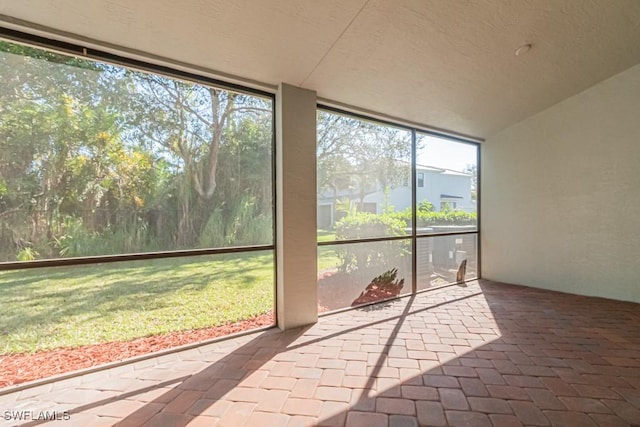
(19, 368)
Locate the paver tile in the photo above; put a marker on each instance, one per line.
(278, 383)
(511, 356)
(490, 376)
(305, 388)
(333, 414)
(467, 419)
(366, 419)
(332, 377)
(395, 406)
(402, 421)
(301, 421)
(568, 418)
(308, 407)
(267, 419)
(452, 398)
(203, 421)
(419, 392)
(490, 405)
(441, 381)
(501, 420)
(336, 394)
(138, 417)
(473, 387)
(165, 419)
(237, 414)
(183, 402)
(584, 404)
(609, 420)
(124, 408)
(528, 413)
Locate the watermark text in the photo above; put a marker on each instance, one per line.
(25, 415)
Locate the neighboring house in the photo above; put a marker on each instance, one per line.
(440, 187)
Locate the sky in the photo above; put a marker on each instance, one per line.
(444, 153)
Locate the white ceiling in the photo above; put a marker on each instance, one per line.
(443, 63)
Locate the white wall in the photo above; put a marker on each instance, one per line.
(436, 183)
(561, 195)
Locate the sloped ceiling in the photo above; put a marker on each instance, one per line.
(443, 63)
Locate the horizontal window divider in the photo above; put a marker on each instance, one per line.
(391, 238)
(101, 259)
(452, 233)
(365, 240)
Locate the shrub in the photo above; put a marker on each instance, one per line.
(364, 224)
(242, 223)
(362, 256)
(75, 240)
(428, 219)
(26, 254)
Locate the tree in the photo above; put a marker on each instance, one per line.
(98, 159)
(55, 110)
(473, 171)
(359, 157)
(190, 125)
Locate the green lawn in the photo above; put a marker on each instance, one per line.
(327, 258)
(73, 306)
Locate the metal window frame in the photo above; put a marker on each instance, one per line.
(414, 235)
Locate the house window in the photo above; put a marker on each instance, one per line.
(421, 179)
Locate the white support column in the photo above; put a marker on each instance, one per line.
(297, 288)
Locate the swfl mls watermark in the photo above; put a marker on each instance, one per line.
(26, 415)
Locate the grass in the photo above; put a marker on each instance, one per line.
(69, 307)
(327, 258)
(326, 236)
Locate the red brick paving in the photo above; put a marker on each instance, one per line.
(487, 354)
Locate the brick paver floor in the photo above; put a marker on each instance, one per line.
(477, 355)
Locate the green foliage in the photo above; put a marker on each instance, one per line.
(26, 254)
(426, 207)
(243, 225)
(346, 206)
(428, 219)
(76, 240)
(365, 224)
(359, 156)
(97, 159)
(362, 256)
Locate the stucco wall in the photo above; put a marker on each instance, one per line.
(561, 195)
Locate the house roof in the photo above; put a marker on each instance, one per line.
(425, 168)
(448, 64)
